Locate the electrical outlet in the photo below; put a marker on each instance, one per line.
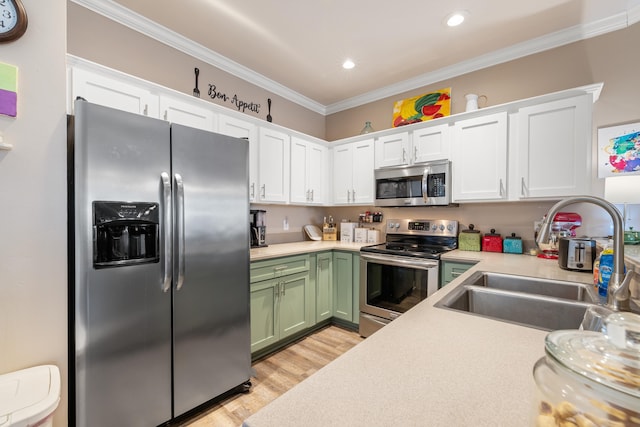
(285, 223)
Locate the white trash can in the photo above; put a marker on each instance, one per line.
(29, 397)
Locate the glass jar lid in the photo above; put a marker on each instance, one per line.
(611, 358)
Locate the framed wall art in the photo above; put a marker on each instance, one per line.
(422, 108)
(619, 150)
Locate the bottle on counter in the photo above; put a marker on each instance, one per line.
(605, 268)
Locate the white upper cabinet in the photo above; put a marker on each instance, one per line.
(479, 160)
(430, 143)
(192, 114)
(414, 147)
(353, 179)
(552, 149)
(242, 129)
(308, 172)
(392, 150)
(102, 90)
(273, 166)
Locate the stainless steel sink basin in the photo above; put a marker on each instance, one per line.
(528, 301)
(533, 285)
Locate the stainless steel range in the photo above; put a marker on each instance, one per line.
(403, 271)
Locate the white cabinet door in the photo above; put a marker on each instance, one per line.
(308, 172)
(299, 190)
(479, 161)
(363, 178)
(353, 180)
(273, 166)
(110, 92)
(342, 174)
(554, 146)
(192, 114)
(429, 144)
(317, 173)
(392, 150)
(241, 129)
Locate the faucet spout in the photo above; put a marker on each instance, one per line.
(618, 296)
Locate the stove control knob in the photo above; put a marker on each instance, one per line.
(450, 227)
(434, 227)
(441, 227)
(397, 225)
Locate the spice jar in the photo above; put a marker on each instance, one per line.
(591, 378)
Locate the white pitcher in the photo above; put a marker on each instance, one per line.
(472, 101)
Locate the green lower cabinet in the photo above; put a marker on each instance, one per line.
(343, 285)
(324, 286)
(452, 269)
(283, 305)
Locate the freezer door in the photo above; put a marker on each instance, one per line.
(211, 269)
(121, 315)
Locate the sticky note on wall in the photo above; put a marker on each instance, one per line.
(8, 89)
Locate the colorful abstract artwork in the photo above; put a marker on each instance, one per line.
(422, 108)
(8, 90)
(619, 150)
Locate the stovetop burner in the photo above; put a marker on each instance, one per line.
(417, 238)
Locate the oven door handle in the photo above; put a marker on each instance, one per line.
(423, 264)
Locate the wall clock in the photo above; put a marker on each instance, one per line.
(13, 20)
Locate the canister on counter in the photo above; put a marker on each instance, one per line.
(469, 240)
(492, 242)
(512, 244)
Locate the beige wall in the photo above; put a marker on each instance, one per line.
(33, 209)
(606, 58)
(101, 40)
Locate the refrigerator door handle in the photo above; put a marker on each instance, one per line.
(179, 231)
(168, 235)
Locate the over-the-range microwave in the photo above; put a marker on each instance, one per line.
(427, 184)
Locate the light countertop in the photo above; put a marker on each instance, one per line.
(431, 366)
(297, 248)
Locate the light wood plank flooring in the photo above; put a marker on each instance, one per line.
(277, 373)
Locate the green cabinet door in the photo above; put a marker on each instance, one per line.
(295, 307)
(343, 285)
(264, 327)
(324, 286)
(356, 288)
(452, 269)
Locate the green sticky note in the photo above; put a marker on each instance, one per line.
(8, 77)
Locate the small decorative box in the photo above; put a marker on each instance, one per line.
(469, 240)
(512, 244)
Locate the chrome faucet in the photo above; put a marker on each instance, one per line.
(618, 295)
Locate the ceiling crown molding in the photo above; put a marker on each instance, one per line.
(143, 25)
(149, 28)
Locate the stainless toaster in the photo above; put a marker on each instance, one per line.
(576, 254)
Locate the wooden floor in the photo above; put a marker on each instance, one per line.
(277, 373)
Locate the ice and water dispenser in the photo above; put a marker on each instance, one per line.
(125, 233)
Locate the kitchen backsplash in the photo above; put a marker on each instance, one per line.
(505, 218)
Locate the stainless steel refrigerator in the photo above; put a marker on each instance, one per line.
(159, 267)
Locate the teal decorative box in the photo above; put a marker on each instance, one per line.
(512, 244)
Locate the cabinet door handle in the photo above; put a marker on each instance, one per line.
(146, 110)
(348, 196)
(312, 195)
(353, 196)
(280, 267)
(264, 190)
(501, 188)
(522, 187)
(253, 190)
(404, 155)
(415, 154)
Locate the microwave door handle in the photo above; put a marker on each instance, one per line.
(427, 171)
(179, 233)
(167, 270)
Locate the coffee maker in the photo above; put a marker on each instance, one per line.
(258, 228)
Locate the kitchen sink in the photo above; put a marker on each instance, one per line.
(533, 285)
(528, 301)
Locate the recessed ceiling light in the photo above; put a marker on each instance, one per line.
(456, 18)
(348, 64)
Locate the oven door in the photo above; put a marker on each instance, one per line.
(391, 285)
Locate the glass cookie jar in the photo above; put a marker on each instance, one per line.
(590, 379)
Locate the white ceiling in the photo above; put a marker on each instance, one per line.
(295, 48)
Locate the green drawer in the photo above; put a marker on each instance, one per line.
(278, 267)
